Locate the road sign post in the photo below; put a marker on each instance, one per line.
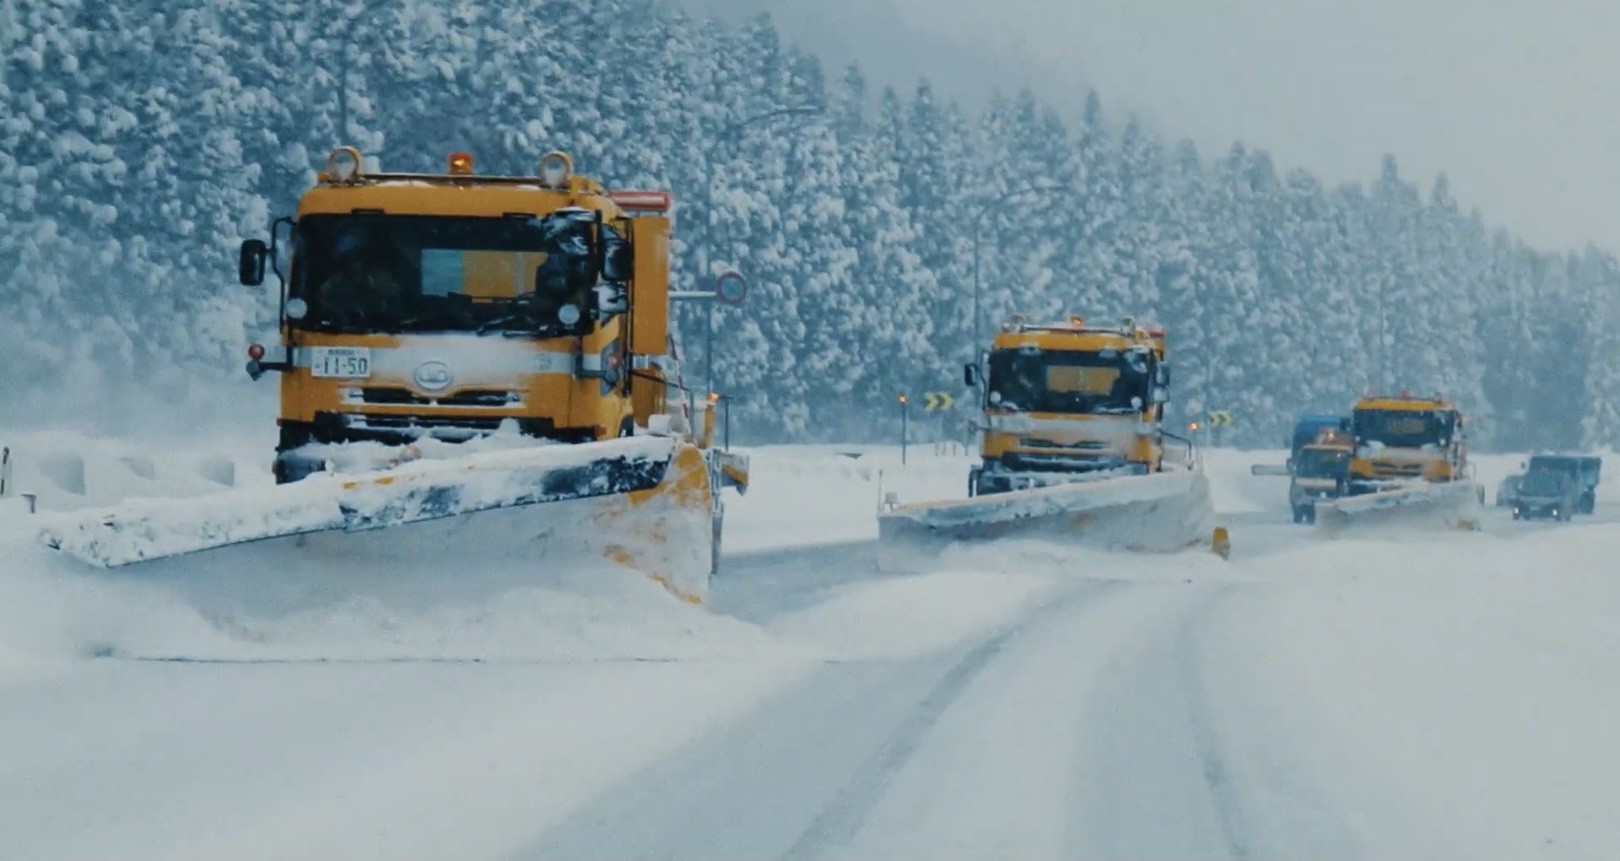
(905, 421)
(725, 404)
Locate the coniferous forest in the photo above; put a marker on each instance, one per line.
(140, 141)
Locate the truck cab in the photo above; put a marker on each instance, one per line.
(1319, 470)
(448, 306)
(1402, 440)
(1069, 401)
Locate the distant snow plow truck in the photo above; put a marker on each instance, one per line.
(1409, 466)
(1074, 448)
(1319, 471)
(487, 353)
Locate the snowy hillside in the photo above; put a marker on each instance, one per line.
(128, 176)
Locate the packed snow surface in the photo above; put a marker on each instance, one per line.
(1402, 694)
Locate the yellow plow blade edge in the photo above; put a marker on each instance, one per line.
(1161, 513)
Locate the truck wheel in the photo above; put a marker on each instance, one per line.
(1589, 503)
(289, 470)
(1310, 515)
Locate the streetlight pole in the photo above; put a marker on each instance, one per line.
(983, 207)
(727, 133)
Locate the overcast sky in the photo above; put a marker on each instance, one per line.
(1506, 96)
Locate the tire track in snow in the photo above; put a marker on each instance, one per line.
(1187, 761)
(845, 814)
(1249, 733)
(1146, 779)
(1212, 755)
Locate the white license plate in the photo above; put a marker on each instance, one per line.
(340, 362)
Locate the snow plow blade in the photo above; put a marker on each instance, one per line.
(1452, 505)
(142, 530)
(1148, 513)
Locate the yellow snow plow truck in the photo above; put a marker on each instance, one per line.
(1409, 464)
(1074, 447)
(465, 350)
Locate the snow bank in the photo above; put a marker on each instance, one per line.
(539, 582)
(1150, 513)
(255, 607)
(152, 528)
(801, 496)
(1236, 490)
(68, 470)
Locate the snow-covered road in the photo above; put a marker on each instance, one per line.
(1442, 695)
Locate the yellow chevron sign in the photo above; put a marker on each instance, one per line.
(938, 401)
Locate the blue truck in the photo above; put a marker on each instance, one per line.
(1318, 462)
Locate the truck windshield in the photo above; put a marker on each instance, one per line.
(1404, 428)
(1543, 482)
(418, 273)
(1069, 381)
(1321, 462)
(1567, 465)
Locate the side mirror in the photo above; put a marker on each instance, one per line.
(250, 265)
(618, 260)
(970, 375)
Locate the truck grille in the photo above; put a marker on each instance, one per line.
(446, 426)
(1397, 470)
(1025, 461)
(467, 398)
(1083, 445)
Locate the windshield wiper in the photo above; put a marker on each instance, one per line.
(522, 310)
(496, 323)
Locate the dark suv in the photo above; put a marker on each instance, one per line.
(1547, 493)
(1586, 470)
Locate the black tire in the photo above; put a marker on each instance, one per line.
(986, 485)
(627, 427)
(1589, 503)
(1310, 515)
(290, 470)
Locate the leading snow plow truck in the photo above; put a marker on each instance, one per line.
(1409, 465)
(487, 358)
(1073, 449)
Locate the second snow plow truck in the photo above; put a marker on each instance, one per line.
(1409, 465)
(1318, 471)
(490, 354)
(1074, 447)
